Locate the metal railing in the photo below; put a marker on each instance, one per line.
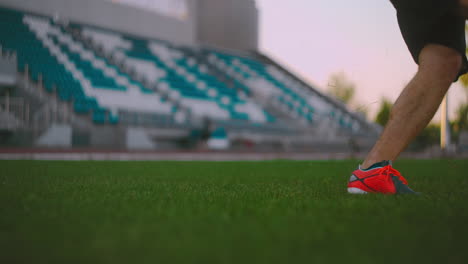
(14, 113)
(48, 114)
(45, 109)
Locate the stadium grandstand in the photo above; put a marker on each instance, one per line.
(76, 78)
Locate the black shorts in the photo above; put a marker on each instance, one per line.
(424, 22)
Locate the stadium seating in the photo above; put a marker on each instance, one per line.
(286, 93)
(109, 89)
(182, 76)
(164, 80)
(94, 85)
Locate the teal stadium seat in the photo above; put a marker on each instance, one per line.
(16, 36)
(259, 70)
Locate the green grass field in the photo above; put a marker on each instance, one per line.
(228, 212)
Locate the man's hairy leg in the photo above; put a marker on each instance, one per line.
(417, 104)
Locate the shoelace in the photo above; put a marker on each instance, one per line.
(389, 170)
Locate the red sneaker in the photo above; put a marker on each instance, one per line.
(379, 178)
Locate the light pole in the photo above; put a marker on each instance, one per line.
(444, 125)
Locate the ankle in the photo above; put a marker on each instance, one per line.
(368, 163)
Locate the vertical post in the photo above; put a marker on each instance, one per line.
(7, 101)
(26, 72)
(26, 118)
(20, 108)
(64, 113)
(444, 125)
(55, 111)
(47, 115)
(448, 132)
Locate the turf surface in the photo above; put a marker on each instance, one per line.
(229, 212)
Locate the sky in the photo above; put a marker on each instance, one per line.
(315, 38)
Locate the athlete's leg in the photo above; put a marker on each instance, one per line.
(463, 8)
(417, 104)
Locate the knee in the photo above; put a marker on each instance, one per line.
(463, 8)
(463, 3)
(440, 61)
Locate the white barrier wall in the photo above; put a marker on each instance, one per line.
(58, 135)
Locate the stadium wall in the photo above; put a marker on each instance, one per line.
(228, 24)
(221, 23)
(114, 16)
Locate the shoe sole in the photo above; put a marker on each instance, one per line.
(354, 190)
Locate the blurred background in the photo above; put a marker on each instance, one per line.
(197, 76)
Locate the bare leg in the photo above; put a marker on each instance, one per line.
(463, 8)
(417, 104)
